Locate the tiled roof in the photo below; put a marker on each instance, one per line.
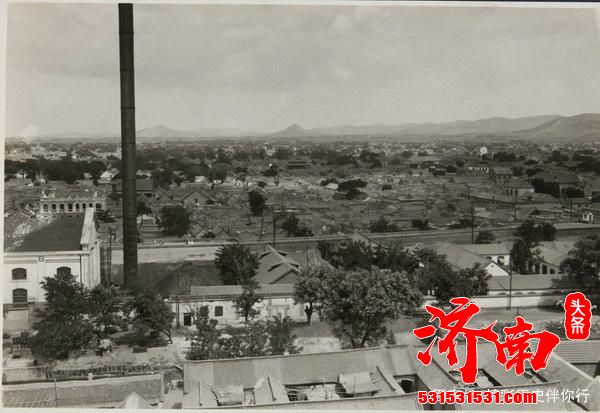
(226, 291)
(524, 282)
(459, 257)
(62, 234)
(574, 352)
(498, 248)
(101, 392)
(273, 265)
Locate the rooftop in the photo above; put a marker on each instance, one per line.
(63, 233)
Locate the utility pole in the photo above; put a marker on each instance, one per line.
(274, 227)
(510, 276)
(126, 60)
(472, 223)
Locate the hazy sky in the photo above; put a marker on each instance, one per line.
(264, 67)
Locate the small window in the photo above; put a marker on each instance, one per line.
(19, 274)
(552, 271)
(19, 296)
(98, 207)
(63, 271)
(187, 319)
(45, 207)
(219, 311)
(544, 269)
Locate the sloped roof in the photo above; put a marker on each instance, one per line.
(62, 234)
(357, 383)
(524, 282)
(101, 392)
(518, 184)
(459, 257)
(133, 401)
(575, 352)
(273, 265)
(552, 256)
(498, 248)
(228, 291)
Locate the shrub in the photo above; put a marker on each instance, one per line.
(139, 349)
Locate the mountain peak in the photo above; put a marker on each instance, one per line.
(292, 130)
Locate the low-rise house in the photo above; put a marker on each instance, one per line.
(500, 174)
(382, 378)
(498, 252)
(517, 187)
(69, 243)
(460, 258)
(275, 267)
(114, 392)
(278, 299)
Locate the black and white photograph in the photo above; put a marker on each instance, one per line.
(301, 205)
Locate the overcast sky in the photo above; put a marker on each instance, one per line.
(264, 67)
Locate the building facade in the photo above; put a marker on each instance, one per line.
(69, 244)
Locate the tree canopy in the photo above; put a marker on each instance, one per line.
(175, 220)
(236, 263)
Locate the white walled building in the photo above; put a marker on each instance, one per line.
(278, 300)
(69, 243)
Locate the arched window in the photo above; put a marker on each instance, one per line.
(19, 274)
(84, 205)
(62, 207)
(70, 207)
(45, 207)
(19, 296)
(98, 207)
(53, 207)
(77, 207)
(63, 271)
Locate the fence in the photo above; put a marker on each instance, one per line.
(101, 372)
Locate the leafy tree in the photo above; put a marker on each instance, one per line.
(204, 345)
(272, 171)
(236, 263)
(574, 193)
(396, 258)
(105, 308)
(63, 326)
(291, 225)
(357, 304)
(151, 314)
(281, 337)
(352, 193)
(420, 224)
(382, 225)
(545, 187)
(143, 208)
(245, 302)
(308, 286)
(175, 220)
(326, 249)
(352, 255)
(582, 266)
(547, 231)
(485, 237)
(257, 202)
(523, 253)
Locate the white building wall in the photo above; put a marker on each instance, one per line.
(268, 308)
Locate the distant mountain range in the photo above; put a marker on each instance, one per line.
(579, 128)
(532, 127)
